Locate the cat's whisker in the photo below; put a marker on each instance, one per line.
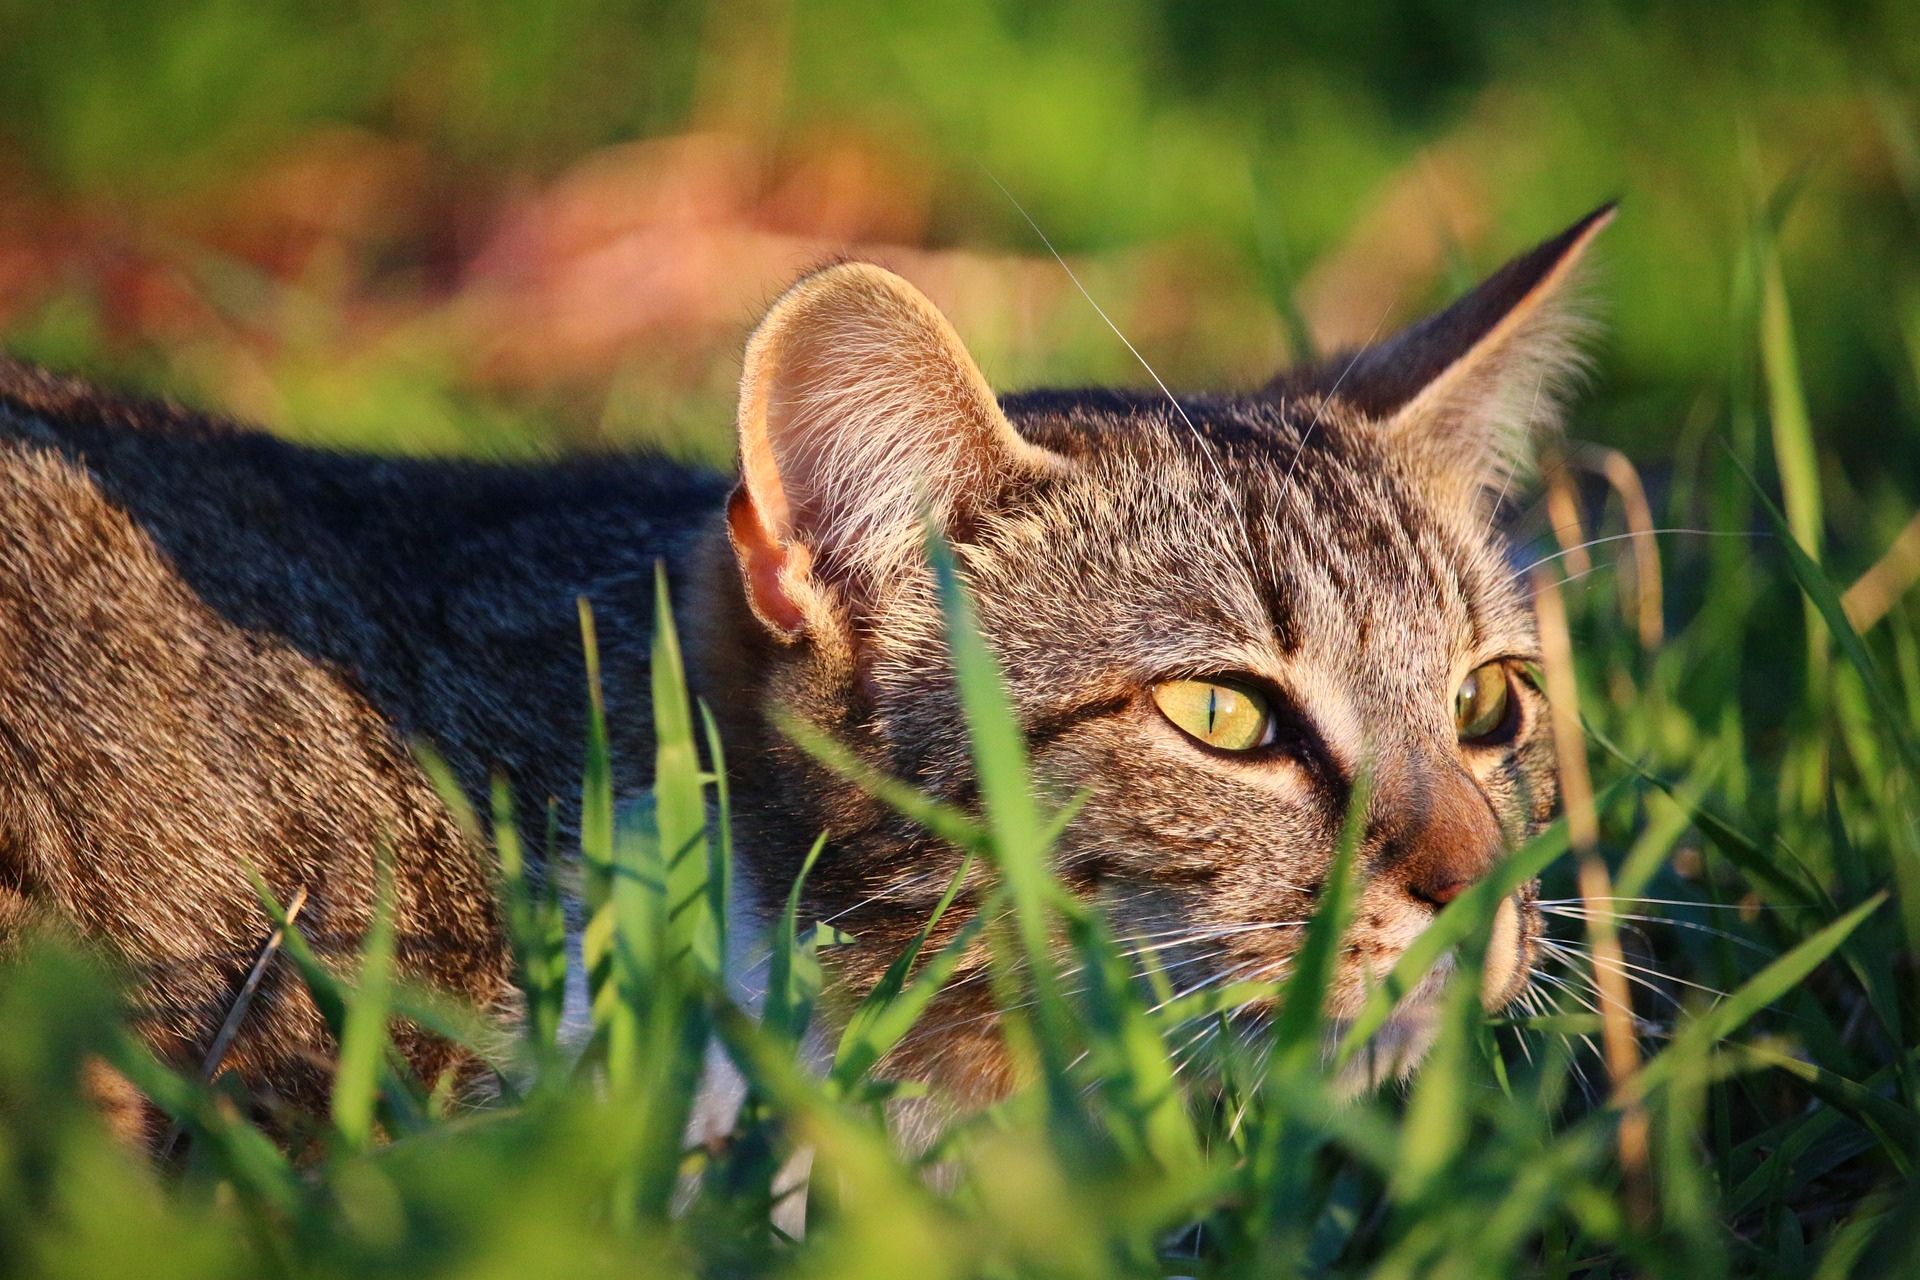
(1493, 512)
(1214, 934)
(1667, 920)
(1640, 975)
(762, 956)
(1202, 935)
(1620, 537)
(1286, 485)
(1578, 903)
(1576, 993)
(1223, 977)
(1185, 1054)
(1572, 578)
(1108, 321)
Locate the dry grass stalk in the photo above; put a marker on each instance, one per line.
(242, 1001)
(1641, 596)
(1563, 513)
(1891, 577)
(1610, 974)
(1563, 697)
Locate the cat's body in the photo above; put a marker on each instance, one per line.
(215, 649)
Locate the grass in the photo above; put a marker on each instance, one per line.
(1205, 166)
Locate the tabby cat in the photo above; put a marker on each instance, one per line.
(216, 649)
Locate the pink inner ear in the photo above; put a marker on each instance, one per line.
(766, 565)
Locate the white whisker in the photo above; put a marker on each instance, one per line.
(1621, 537)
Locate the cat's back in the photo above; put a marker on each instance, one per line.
(445, 590)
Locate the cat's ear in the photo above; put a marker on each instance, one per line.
(861, 417)
(1468, 392)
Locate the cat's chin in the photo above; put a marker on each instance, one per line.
(1391, 1056)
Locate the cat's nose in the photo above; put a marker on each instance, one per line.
(1458, 842)
(1438, 893)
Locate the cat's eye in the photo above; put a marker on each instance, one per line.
(1228, 717)
(1483, 703)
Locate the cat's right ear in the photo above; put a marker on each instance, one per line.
(861, 417)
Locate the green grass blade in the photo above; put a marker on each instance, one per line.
(720, 865)
(364, 1040)
(1896, 1127)
(597, 856)
(793, 972)
(1297, 1030)
(326, 991)
(885, 1015)
(1788, 880)
(1727, 1016)
(1000, 763)
(1826, 600)
(951, 824)
(680, 801)
(1793, 447)
(536, 929)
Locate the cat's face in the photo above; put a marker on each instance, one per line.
(1216, 620)
(1219, 644)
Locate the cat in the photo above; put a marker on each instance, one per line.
(1213, 612)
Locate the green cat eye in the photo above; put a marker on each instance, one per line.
(1480, 703)
(1227, 716)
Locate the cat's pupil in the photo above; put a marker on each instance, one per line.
(1221, 715)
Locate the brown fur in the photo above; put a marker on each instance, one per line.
(216, 648)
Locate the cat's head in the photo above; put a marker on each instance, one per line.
(1213, 616)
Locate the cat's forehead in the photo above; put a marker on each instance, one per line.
(1254, 525)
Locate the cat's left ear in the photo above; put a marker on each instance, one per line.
(1468, 392)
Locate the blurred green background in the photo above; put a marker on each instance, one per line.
(497, 226)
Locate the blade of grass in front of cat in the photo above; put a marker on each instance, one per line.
(720, 852)
(884, 1014)
(1128, 1059)
(946, 821)
(536, 928)
(259, 1171)
(891, 1224)
(793, 971)
(1437, 1118)
(1297, 1030)
(884, 1019)
(680, 802)
(1013, 817)
(323, 987)
(364, 1040)
(613, 1033)
(1285, 1145)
